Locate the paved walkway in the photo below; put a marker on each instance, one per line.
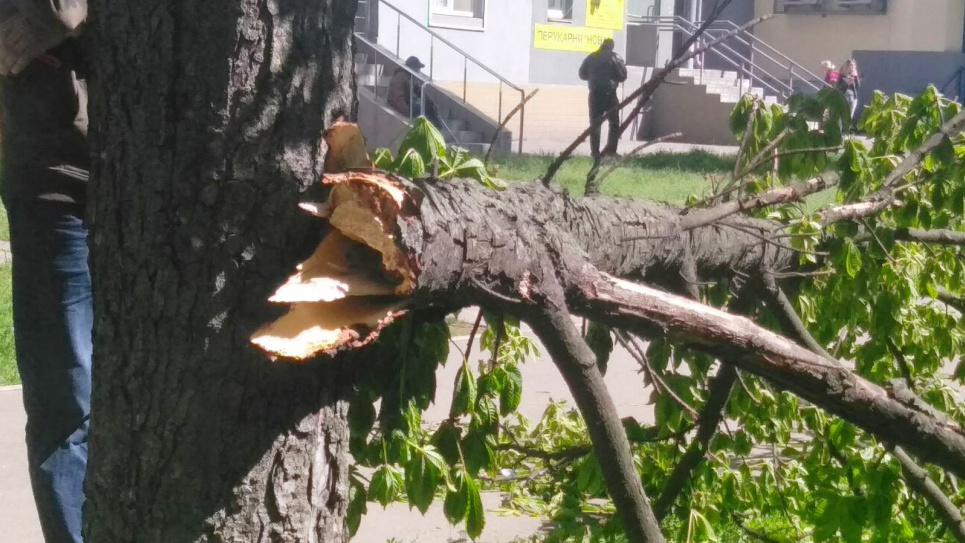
(541, 383)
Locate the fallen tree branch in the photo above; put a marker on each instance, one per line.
(578, 365)
(791, 323)
(710, 417)
(506, 119)
(594, 182)
(948, 130)
(782, 195)
(937, 237)
(951, 300)
(535, 246)
(885, 197)
(892, 416)
(919, 480)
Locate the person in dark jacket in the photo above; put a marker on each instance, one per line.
(848, 83)
(604, 70)
(405, 93)
(43, 101)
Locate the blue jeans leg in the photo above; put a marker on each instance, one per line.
(53, 316)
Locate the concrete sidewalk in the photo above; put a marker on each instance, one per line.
(541, 383)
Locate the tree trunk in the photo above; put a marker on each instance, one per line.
(207, 129)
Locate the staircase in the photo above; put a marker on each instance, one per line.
(726, 84)
(698, 102)
(461, 124)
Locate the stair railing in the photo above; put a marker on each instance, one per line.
(740, 62)
(416, 76)
(466, 60)
(958, 77)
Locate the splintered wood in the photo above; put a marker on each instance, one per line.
(354, 283)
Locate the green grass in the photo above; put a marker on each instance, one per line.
(8, 362)
(4, 225)
(666, 177)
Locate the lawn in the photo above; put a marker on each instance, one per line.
(667, 177)
(8, 363)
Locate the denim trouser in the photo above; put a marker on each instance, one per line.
(53, 316)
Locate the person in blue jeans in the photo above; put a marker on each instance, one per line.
(43, 176)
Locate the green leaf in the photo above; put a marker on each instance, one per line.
(425, 139)
(852, 259)
(411, 164)
(464, 397)
(827, 524)
(387, 483)
(475, 515)
(446, 441)
(383, 159)
(357, 506)
(457, 499)
(487, 414)
(512, 393)
(423, 474)
(852, 518)
(479, 450)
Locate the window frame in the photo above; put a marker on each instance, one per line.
(459, 16)
(831, 7)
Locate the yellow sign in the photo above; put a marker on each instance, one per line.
(605, 14)
(569, 38)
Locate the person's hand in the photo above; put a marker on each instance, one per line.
(21, 43)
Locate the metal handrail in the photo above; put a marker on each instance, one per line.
(679, 23)
(466, 59)
(791, 61)
(958, 75)
(740, 64)
(417, 75)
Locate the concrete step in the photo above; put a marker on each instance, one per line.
(466, 136)
(477, 149)
(457, 124)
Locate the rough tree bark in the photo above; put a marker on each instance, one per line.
(207, 127)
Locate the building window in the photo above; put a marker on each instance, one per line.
(559, 10)
(466, 14)
(833, 7)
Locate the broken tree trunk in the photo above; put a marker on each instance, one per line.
(456, 243)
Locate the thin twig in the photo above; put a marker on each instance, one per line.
(506, 120)
(597, 181)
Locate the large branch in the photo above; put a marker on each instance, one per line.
(578, 365)
(937, 237)
(890, 415)
(452, 244)
(796, 192)
(710, 417)
(918, 479)
(885, 197)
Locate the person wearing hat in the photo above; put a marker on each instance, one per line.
(405, 91)
(43, 100)
(604, 70)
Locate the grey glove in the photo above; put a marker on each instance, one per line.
(22, 42)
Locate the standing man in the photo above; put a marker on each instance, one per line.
(604, 70)
(43, 182)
